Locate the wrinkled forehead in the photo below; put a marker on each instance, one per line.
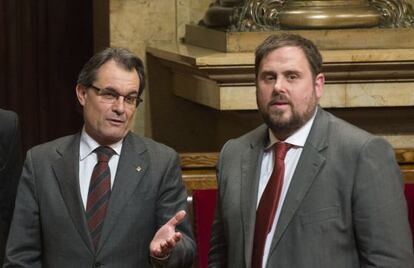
(113, 75)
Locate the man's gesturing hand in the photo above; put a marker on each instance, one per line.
(166, 237)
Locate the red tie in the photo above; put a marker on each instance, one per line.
(99, 193)
(268, 204)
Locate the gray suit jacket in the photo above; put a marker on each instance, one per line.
(345, 206)
(10, 169)
(49, 227)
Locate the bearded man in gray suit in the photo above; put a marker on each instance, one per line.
(105, 196)
(340, 193)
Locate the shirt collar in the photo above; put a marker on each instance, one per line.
(298, 138)
(88, 145)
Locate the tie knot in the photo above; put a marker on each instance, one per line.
(281, 148)
(104, 153)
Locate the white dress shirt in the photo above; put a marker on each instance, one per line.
(88, 160)
(298, 140)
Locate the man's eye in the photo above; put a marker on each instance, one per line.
(292, 77)
(109, 95)
(130, 99)
(269, 78)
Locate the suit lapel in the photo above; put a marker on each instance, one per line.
(310, 162)
(66, 170)
(250, 173)
(132, 166)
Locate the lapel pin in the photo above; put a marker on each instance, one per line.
(138, 168)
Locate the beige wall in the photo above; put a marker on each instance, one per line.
(135, 24)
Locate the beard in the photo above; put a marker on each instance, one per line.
(283, 126)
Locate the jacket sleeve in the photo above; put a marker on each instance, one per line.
(10, 169)
(173, 198)
(24, 244)
(217, 256)
(380, 218)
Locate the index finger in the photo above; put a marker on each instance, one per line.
(178, 218)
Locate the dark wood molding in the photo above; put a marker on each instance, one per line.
(199, 169)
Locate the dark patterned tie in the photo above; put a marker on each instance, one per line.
(266, 211)
(99, 193)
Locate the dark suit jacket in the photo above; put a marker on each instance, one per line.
(49, 227)
(10, 169)
(345, 206)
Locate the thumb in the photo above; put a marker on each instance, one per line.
(177, 219)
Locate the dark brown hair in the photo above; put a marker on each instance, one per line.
(274, 42)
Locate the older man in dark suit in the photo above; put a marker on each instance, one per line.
(10, 169)
(306, 189)
(105, 196)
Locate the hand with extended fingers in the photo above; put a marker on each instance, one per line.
(166, 237)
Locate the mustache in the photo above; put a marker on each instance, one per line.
(279, 98)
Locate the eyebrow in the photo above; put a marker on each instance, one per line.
(116, 91)
(267, 72)
(293, 72)
(270, 72)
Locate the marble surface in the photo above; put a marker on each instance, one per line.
(136, 24)
(346, 86)
(204, 56)
(379, 82)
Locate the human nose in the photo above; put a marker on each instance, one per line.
(278, 85)
(119, 104)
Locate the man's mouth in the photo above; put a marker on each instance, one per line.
(116, 121)
(279, 103)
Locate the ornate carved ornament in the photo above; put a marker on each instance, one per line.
(269, 15)
(394, 13)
